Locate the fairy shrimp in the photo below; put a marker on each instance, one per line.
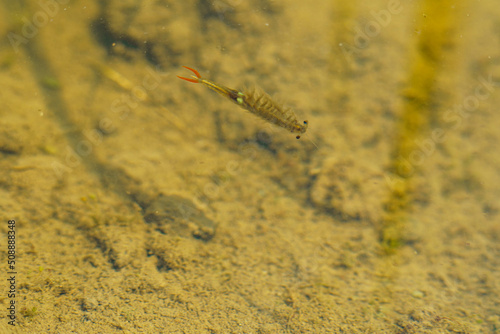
(257, 103)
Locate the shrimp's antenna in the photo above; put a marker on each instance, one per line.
(309, 138)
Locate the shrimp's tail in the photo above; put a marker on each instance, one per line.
(194, 79)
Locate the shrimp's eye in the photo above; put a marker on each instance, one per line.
(298, 137)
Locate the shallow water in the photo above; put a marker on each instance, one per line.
(146, 203)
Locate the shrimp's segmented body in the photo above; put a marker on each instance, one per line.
(259, 104)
